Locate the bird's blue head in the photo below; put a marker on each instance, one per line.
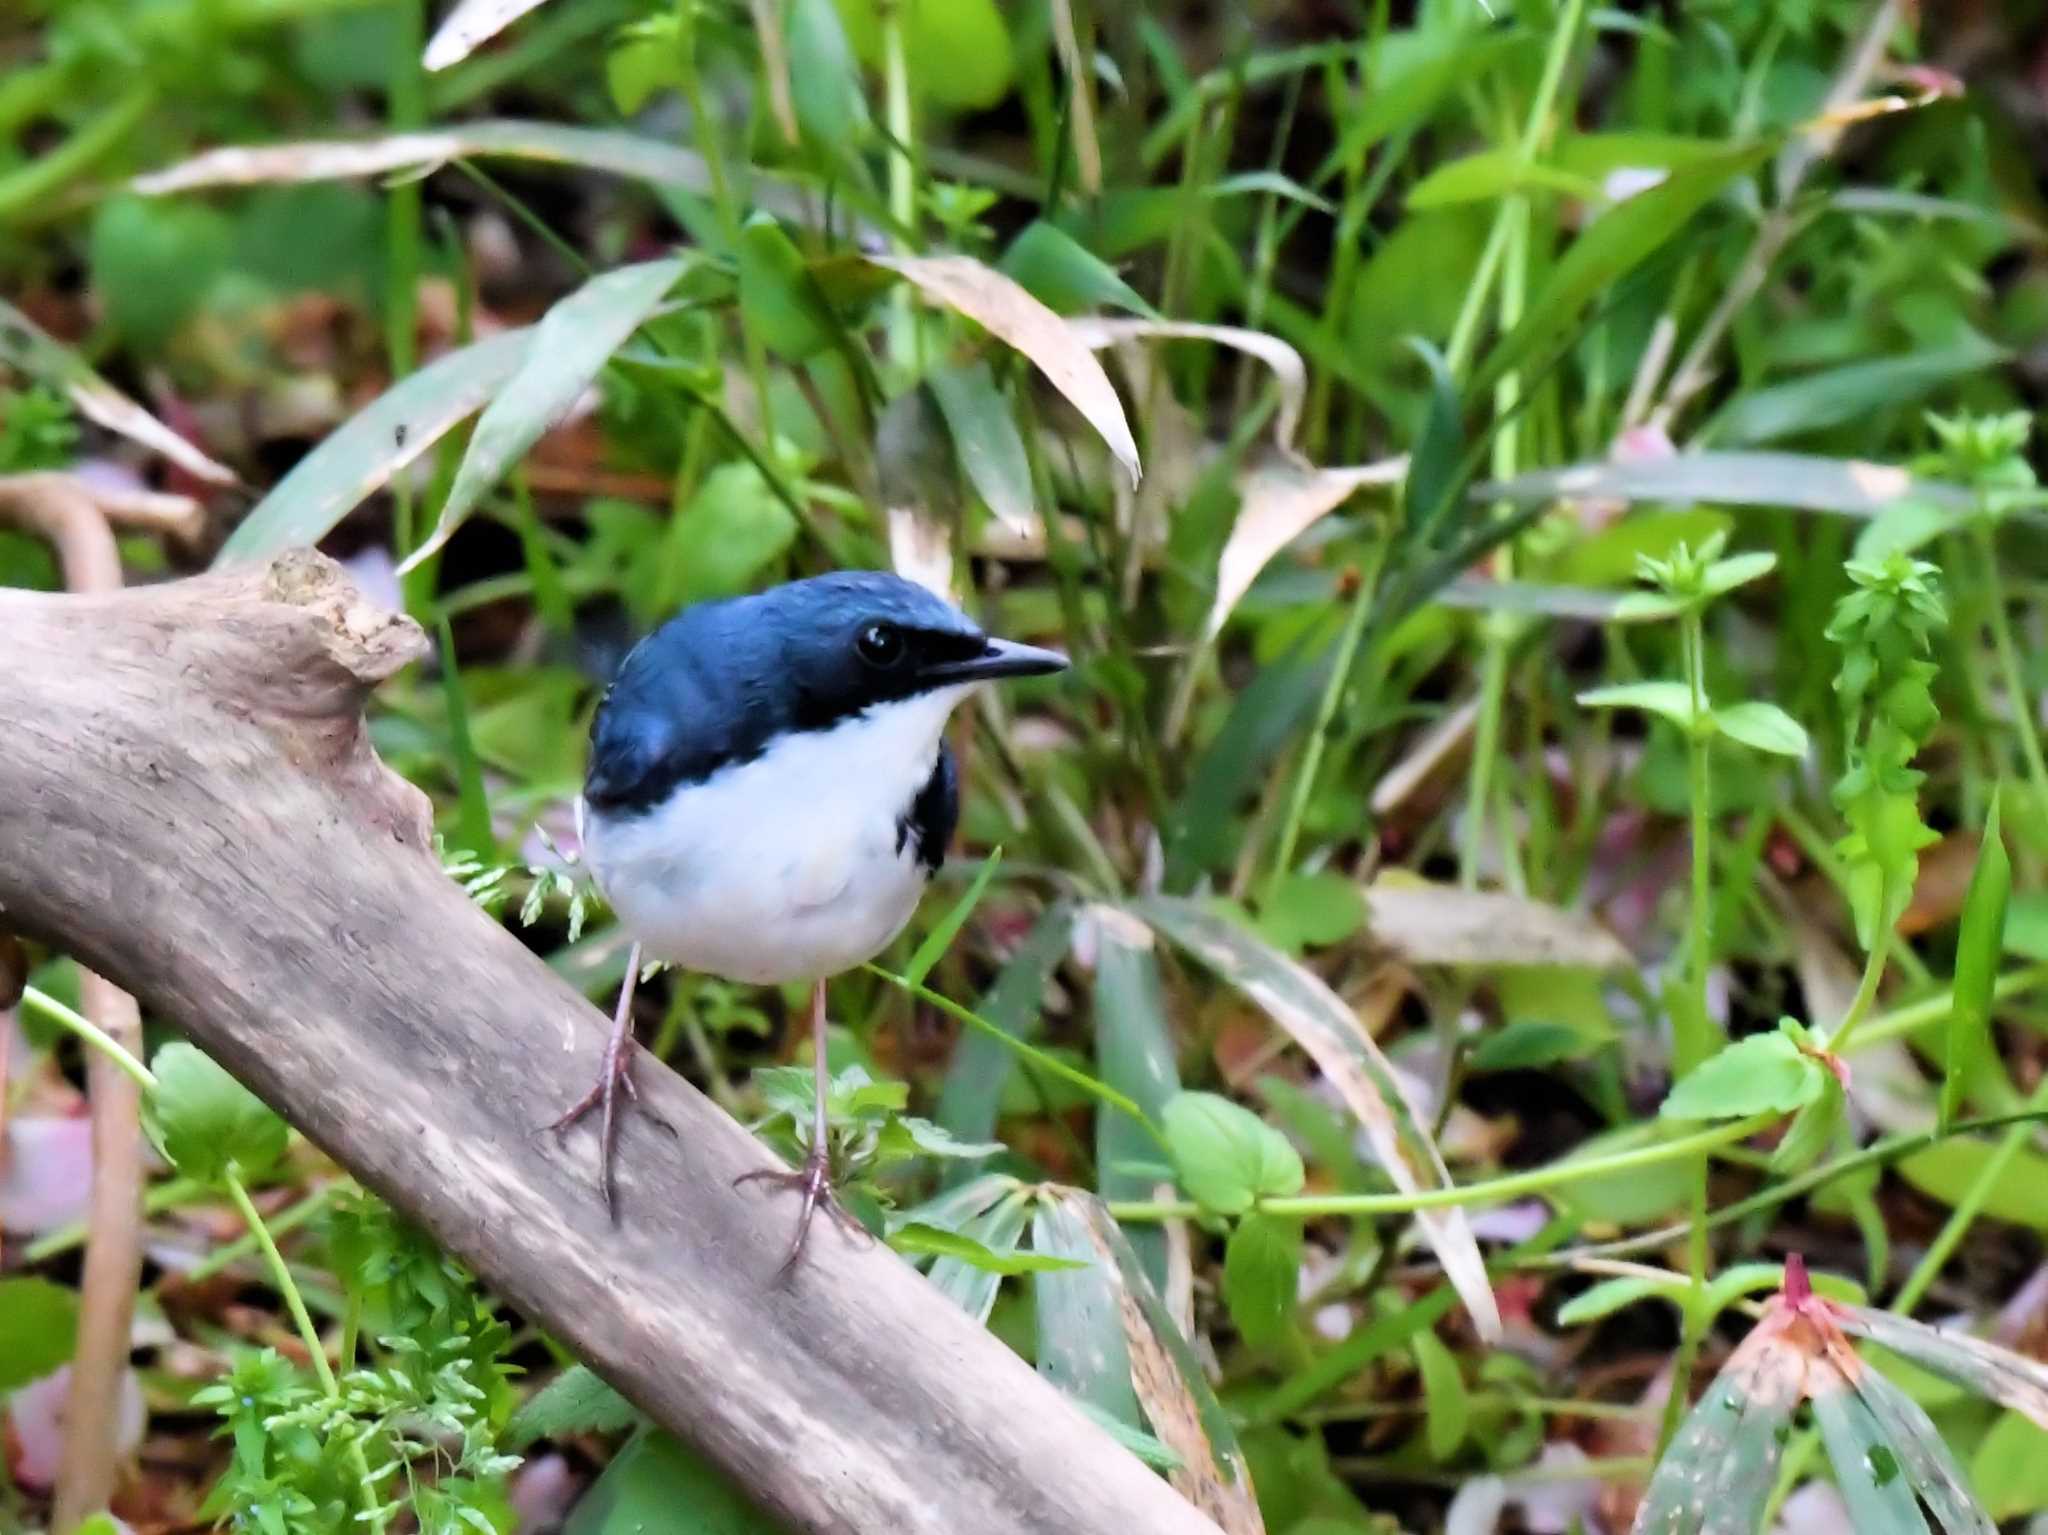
(721, 681)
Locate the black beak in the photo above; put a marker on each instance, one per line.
(1001, 658)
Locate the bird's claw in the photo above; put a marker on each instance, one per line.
(814, 1181)
(614, 1077)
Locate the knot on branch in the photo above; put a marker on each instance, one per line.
(365, 641)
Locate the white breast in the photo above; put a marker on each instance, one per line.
(791, 867)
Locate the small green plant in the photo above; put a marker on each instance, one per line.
(38, 430)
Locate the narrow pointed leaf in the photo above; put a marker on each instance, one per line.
(1058, 269)
(970, 1252)
(1717, 1474)
(1868, 1470)
(1278, 501)
(571, 344)
(1979, 944)
(469, 26)
(1613, 246)
(947, 928)
(990, 448)
(1923, 1457)
(980, 1068)
(1002, 307)
(1317, 1019)
(972, 1285)
(1849, 486)
(1672, 700)
(1079, 1314)
(2010, 1379)
(362, 455)
(1135, 1053)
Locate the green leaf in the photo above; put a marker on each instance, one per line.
(152, 263)
(654, 1483)
(371, 447)
(959, 52)
(1530, 1042)
(576, 1401)
(825, 83)
(778, 297)
(38, 1329)
(1228, 1158)
(1979, 943)
(940, 938)
(1262, 1276)
(1437, 460)
(1763, 726)
(571, 345)
(1078, 1315)
(985, 436)
(918, 1237)
(1612, 1295)
(964, 1277)
(208, 1123)
(1851, 392)
(1765, 1073)
(1312, 911)
(1737, 570)
(1673, 700)
(1447, 1407)
(1493, 173)
(1813, 1129)
(933, 1141)
(733, 530)
(2010, 1468)
(1134, 1051)
(1065, 275)
(1949, 1171)
(1616, 243)
(971, 1095)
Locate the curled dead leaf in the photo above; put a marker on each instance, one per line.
(1279, 500)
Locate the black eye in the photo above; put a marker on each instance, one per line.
(881, 646)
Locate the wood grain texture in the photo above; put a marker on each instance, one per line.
(189, 803)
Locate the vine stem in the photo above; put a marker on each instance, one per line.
(95, 1036)
(1490, 1191)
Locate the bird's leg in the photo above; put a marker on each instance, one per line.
(613, 1075)
(814, 1180)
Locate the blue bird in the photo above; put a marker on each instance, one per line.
(769, 792)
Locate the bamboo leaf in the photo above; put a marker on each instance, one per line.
(362, 455)
(571, 345)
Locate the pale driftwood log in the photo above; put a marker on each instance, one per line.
(189, 803)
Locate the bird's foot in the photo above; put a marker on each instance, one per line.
(614, 1077)
(814, 1181)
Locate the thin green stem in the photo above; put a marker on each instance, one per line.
(1692, 1038)
(1694, 1325)
(309, 1335)
(2019, 697)
(1931, 1263)
(1491, 1191)
(1873, 974)
(287, 1287)
(1326, 711)
(77, 1023)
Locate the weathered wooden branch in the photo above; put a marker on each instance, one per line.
(189, 803)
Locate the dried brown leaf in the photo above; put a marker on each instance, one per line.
(1279, 500)
(1289, 371)
(1002, 307)
(469, 26)
(1428, 924)
(28, 349)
